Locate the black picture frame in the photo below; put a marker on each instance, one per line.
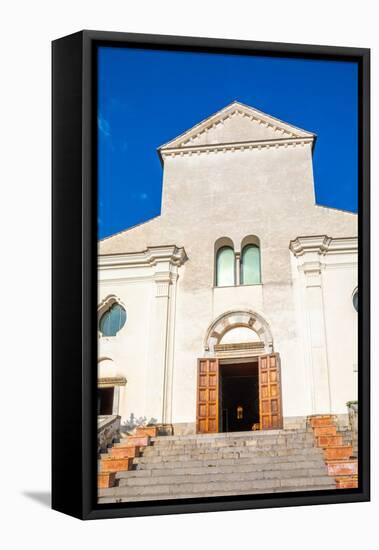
(74, 295)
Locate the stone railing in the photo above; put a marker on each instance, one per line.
(352, 407)
(108, 429)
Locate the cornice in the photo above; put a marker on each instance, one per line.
(231, 147)
(322, 245)
(344, 244)
(316, 243)
(148, 258)
(283, 129)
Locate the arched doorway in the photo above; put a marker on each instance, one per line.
(239, 381)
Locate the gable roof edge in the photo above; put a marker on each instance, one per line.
(235, 106)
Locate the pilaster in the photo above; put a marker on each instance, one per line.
(308, 251)
(161, 343)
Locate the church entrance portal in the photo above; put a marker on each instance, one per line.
(228, 395)
(239, 397)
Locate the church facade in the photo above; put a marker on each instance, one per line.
(235, 308)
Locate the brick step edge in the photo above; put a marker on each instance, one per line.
(347, 482)
(106, 480)
(339, 460)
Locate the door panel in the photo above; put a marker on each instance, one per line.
(207, 396)
(270, 395)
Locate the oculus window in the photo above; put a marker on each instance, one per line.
(112, 321)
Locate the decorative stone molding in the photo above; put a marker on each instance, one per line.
(318, 244)
(232, 147)
(311, 250)
(111, 381)
(148, 258)
(322, 245)
(238, 318)
(279, 134)
(162, 288)
(107, 303)
(244, 349)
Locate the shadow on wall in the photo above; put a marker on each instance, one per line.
(134, 422)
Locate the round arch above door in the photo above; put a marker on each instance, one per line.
(231, 320)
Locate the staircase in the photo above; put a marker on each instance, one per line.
(172, 467)
(338, 450)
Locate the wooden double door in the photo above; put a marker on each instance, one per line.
(269, 388)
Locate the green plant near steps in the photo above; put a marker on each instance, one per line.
(349, 403)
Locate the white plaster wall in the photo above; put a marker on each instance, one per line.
(327, 326)
(341, 319)
(128, 348)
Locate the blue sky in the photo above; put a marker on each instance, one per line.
(148, 97)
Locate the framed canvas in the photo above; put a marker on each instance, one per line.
(210, 232)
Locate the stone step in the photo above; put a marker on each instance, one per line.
(277, 465)
(218, 487)
(262, 464)
(247, 443)
(226, 436)
(309, 439)
(342, 452)
(223, 477)
(207, 454)
(236, 462)
(227, 455)
(197, 451)
(107, 499)
(185, 445)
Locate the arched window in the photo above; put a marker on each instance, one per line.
(250, 265)
(112, 321)
(225, 266)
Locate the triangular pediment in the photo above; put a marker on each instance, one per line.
(237, 124)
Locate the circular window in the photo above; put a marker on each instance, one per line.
(112, 321)
(355, 300)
